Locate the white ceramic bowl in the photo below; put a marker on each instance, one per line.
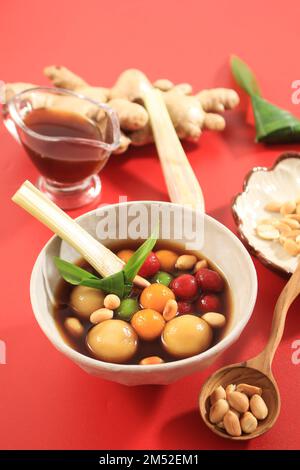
(279, 183)
(220, 246)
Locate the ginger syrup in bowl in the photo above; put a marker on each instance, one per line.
(68, 138)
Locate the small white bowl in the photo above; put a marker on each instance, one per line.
(220, 246)
(279, 183)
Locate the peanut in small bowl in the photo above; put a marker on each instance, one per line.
(267, 213)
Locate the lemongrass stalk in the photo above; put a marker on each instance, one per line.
(181, 181)
(97, 255)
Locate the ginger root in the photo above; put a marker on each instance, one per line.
(190, 113)
(63, 78)
(132, 116)
(218, 99)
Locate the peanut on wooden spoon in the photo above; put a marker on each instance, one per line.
(256, 371)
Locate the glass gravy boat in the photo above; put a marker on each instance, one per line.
(67, 136)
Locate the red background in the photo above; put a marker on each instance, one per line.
(46, 401)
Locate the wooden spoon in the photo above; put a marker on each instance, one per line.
(256, 371)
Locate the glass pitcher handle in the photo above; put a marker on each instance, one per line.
(8, 122)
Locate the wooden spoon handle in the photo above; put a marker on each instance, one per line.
(97, 255)
(182, 184)
(285, 300)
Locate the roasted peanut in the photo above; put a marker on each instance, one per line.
(291, 247)
(232, 424)
(258, 407)
(293, 217)
(185, 262)
(215, 320)
(200, 265)
(230, 388)
(292, 223)
(267, 232)
(101, 315)
(170, 310)
(288, 208)
(282, 227)
(112, 301)
(293, 233)
(249, 390)
(273, 206)
(239, 401)
(74, 327)
(151, 360)
(218, 410)
(248, 422)
(217, 394)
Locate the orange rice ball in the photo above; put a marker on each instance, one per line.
(156, 296)
(148, 324)
(167, 259)
(125, 255)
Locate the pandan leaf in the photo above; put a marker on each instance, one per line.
(114, 284)
(119, 283)
(244, 76)
(71, 273)
(134, 264)
(273, 124)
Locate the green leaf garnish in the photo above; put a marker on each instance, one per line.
(137, 259)
(72, 273)
(273, 124)
(119, 283)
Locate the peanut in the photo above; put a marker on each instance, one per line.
(291, 247)
(258, 407)
(232, 424)
(273, 206)
(215, 320)
(170, 310)
(294, 224)
(112, 301)
(218, 410)
(288, 226)
(267, 232)
(230, 388)
(282, 227)
(293, 233)
(249, 390)
(101, 315)
(74, 327)
(248, 422)
(293, 217)
(217, 394)
(200, 265)
(239, 401)
(233, 413)
(288, 208)
(185, 262)
(151, 360)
